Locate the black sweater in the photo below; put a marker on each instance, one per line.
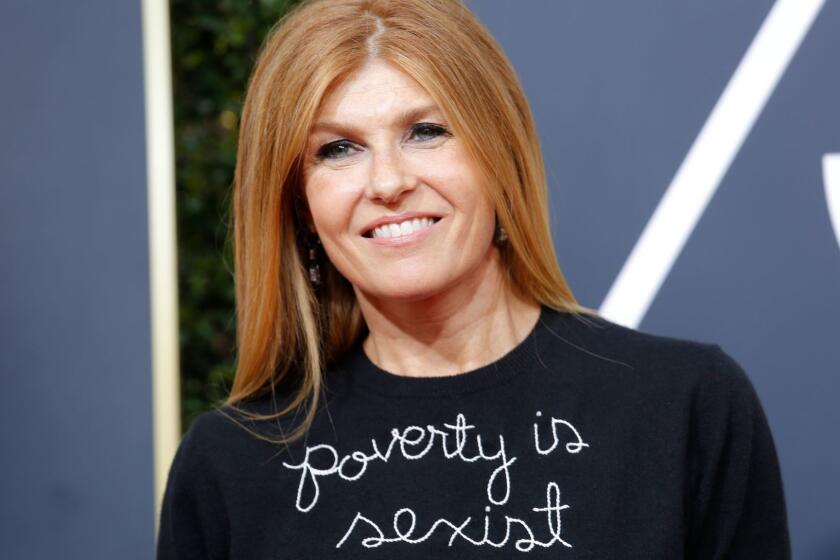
(587, 440)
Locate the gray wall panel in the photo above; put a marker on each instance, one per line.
(74, 294)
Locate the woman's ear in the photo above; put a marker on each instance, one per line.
(307, 219)
(303, 214)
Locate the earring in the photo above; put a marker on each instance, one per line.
(314, 267)
(500, 236)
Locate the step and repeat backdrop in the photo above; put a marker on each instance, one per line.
(693, 156)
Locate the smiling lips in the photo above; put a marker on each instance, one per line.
(403, 228)
(398, 233)
(399, 225)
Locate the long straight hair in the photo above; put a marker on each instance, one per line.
(288, 333)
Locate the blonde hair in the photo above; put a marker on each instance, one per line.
(287, 332)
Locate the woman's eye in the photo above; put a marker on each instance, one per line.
(334, 150)
(429, 130)
(343, 148)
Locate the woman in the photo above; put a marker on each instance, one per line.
(415, 379)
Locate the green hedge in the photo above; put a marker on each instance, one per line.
(214, 45)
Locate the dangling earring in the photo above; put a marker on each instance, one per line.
(500, 235)
(314, 267)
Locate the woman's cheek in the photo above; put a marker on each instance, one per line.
(335, 198)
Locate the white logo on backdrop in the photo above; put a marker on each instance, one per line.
(831, 180)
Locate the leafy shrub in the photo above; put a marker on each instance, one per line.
(214, 46)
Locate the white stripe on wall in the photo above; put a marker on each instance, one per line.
(708, 160)
(160, 167)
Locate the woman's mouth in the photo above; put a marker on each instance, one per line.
(402, 233)
(400, 229)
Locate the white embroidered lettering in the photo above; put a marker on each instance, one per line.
(416, 442)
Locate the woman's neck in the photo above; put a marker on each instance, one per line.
(469, 326)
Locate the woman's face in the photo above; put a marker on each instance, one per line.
(396, 201)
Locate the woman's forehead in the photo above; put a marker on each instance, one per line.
(397, 120)
(375, 92)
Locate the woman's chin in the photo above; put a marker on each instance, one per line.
(406, 291)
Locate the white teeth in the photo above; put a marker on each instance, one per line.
(404, 228)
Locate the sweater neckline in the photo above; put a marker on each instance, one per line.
(361, 371)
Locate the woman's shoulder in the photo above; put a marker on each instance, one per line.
(698, 365)
(226, 430)
(207, 432)
(601, 332)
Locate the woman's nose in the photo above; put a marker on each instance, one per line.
(389, 176)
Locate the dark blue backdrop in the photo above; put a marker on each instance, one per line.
(76, 468)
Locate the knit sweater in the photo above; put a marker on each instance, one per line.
(587, 440)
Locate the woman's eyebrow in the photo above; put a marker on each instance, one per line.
(403, 118)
